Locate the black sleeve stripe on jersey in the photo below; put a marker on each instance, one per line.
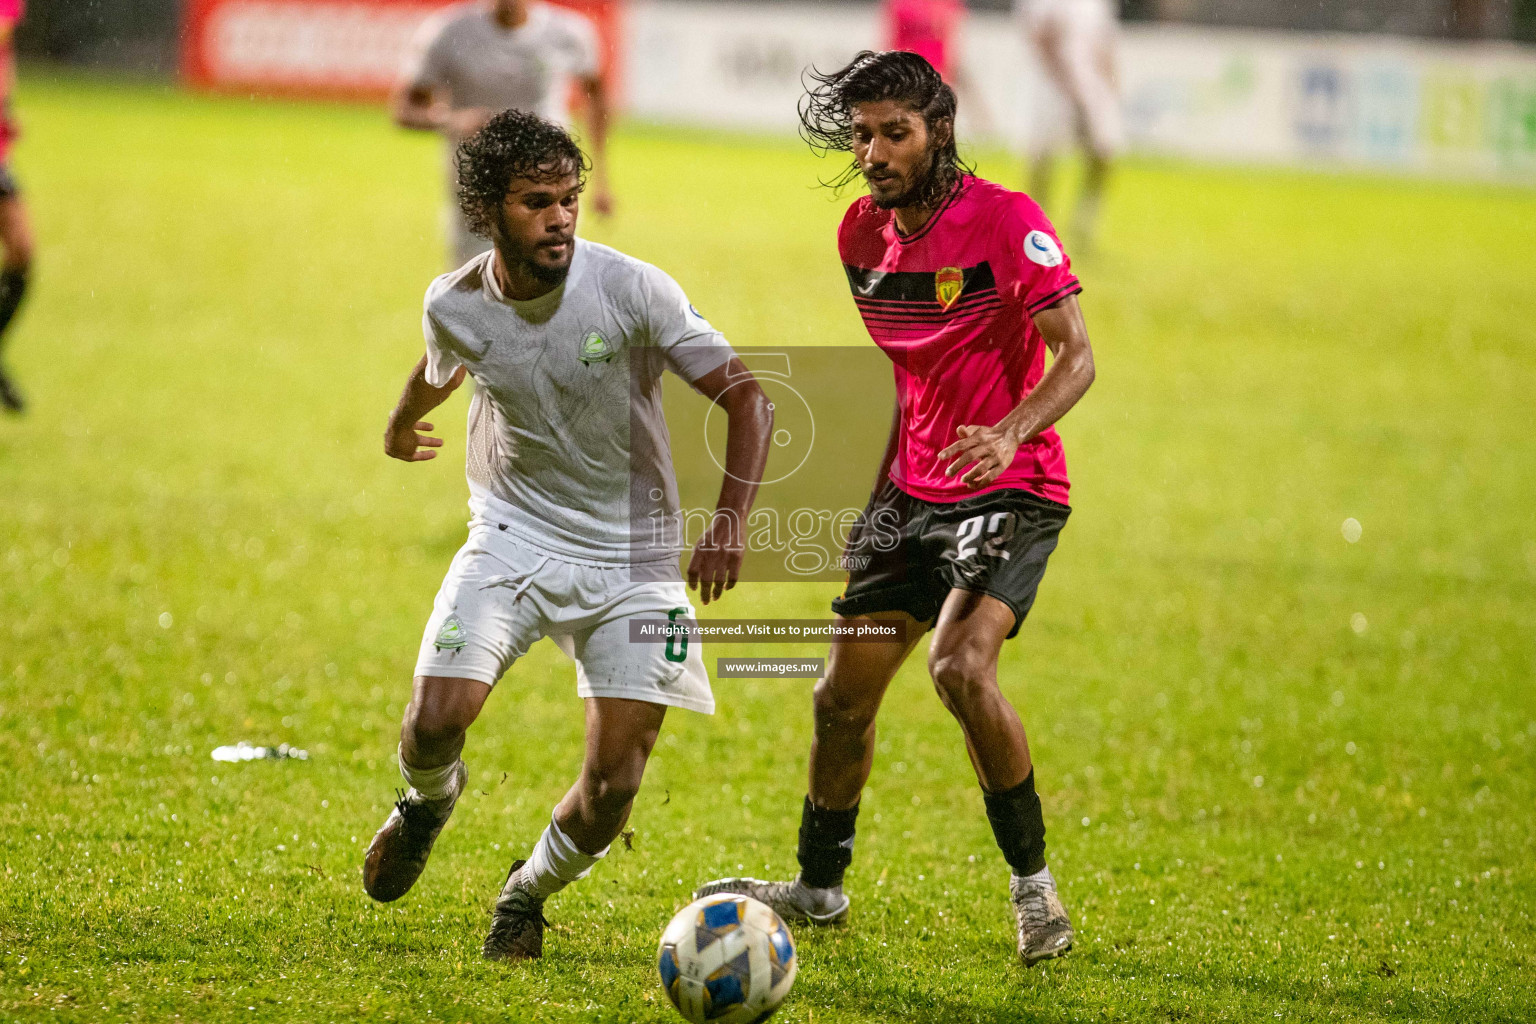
(1061, 293)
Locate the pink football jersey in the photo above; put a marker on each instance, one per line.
(953, 306)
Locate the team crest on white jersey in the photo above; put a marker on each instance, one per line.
(595, 349)
(1041, 248)
(452, 636)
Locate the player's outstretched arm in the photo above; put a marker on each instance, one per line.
(412, 107)
(417, 107)
(988, 450)
(716, 563)
(406, 438)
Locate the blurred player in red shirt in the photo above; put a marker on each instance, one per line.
(927, 28)
(931, 29)
(15, 234)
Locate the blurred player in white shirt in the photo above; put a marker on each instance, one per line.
(483, 56)
(1077, 42)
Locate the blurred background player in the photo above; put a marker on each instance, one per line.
(931, 29)
(15, 234)
(484, 56)
(928, 28)
(1076, 40)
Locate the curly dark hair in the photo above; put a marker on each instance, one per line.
(826, 112)
(513, 144)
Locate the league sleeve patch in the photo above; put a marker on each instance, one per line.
(1041, 248)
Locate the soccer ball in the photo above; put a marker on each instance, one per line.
(727, 959)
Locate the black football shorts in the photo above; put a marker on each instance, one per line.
(906, 554)
(8, 187)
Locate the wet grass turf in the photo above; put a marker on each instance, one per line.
(1286, 776)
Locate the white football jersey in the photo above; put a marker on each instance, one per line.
(472, 61)
(567, 442)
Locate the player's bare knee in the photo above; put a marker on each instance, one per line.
(838, 714)
(611, 789)
(434, 721)
(962, 679)
(433, 732)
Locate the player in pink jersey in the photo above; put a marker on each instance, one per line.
(964, 285)
(15, 233)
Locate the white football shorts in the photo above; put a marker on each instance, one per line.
(501, 596)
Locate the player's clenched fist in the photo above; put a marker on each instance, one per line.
(410, 442)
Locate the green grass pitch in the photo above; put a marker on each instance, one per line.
(1286, 776)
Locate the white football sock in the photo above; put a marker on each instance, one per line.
(1043, 876)
(555, 863)
(431, 784)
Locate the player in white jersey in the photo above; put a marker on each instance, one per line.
(1077, 40)
(570, 471)
(481, 56)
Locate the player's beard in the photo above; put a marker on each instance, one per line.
(518, 257)
(915, 191)
(545, 273)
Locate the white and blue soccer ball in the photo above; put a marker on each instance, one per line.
(727, 959)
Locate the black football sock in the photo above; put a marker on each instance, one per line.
(13, 285)
(826, 844)
(1019, 825)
